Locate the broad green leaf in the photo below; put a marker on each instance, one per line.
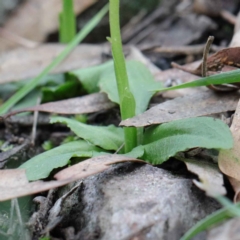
(109, 138)
(164, 141)
(140, 81)
(40, 166)
(137, 152)
(90, 77)
(69, 89)
(222, 78)
(103, 77)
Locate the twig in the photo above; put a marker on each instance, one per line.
(205, 54)
(34, 127)
(228, 17)
(183, 50)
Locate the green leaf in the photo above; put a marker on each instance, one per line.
(109, 138)
(68, 89)
(140, 81)
(137, 152)
(164, 141)
(40, 166)
(103, 77)
(90, 77)
(67, 22)
(209, 221)
(222, 78)
(56, 61)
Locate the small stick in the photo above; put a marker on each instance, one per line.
(205, 54)
(34, 127)
(228, 16)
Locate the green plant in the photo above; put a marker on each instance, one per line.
(126, 98)
(128, 84)
(67, 22)
(230, 210)
(32, 84)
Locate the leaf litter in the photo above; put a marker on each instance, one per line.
(14, 182)
(78, 171)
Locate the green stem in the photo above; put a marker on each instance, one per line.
(127, 101)
(67, 30)
(32, 84)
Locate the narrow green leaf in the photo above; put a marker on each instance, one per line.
(32, 84)
(40, 166)
(109, 138)
(206, 223)
(164, 141)
(222, 78)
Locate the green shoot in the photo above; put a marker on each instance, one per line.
(222, 78)
(32, 84)
(217, 217)
(127, 101)
(67, 22)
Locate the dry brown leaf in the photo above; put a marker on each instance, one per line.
(92, 166)
(35, 19)
(236, 187)
(199, 104)
(211, 8)
(25, 63)
(217, 61)
(14, 183)
(211, 180)
(229, 160)
(87, 104)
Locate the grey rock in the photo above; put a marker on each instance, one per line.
(130, 201)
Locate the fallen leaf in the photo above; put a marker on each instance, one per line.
(211, 180)
(44, 18)
(199, 104)
(87, 104)
(92, 166)
(14, 183)
(33, 61)
(229, 160)
(236, 187)
(217, 61)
